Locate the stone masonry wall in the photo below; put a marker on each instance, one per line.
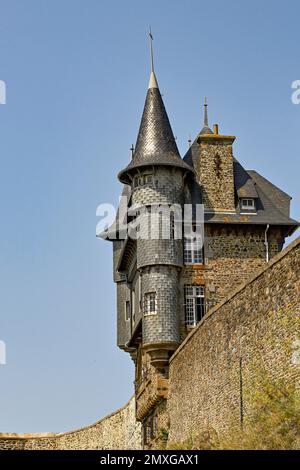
(215, 364)
(219, 360)
(215, 172)
(166, 188)
(233, 254)
(116, 431)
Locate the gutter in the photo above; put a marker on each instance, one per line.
(267, 243)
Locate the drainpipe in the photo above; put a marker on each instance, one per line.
(267, 243)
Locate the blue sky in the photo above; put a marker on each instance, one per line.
(76, 74)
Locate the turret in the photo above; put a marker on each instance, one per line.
(157, 175)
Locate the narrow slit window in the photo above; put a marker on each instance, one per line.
(133, 305)
(127, 310)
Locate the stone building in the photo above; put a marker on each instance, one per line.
(194, 312)
(166, 284)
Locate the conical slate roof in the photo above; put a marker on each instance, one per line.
(155, 142)
(205, 130)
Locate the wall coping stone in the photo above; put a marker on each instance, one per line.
(47, 435)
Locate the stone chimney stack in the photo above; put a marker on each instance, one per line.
(215, 171)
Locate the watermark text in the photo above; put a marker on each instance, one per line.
(296, 94)
(2, 92)
(2, 353)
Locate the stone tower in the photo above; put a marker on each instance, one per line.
(156, 177)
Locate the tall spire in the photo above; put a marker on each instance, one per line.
(205, 129)
(155, 145)
(152, 81)
(205, 113)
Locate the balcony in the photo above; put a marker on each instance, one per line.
(149, 393)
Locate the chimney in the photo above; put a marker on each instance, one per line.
(215, 171)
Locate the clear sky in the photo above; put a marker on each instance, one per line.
(76, 73)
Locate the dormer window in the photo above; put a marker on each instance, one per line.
(248, 204)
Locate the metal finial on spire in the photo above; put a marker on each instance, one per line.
(155, 144)
(205, 113)
(205, 129)
(153, 81)
(151, 49)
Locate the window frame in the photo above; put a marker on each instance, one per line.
(147, 310)
(127, 313)
(148, 179)
(150, 429)
(133, 306)
(194, 247)
(191, 305)
(246, 206)
(172, 226)
(142, 180)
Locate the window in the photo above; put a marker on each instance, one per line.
(148, 179)
(166, 221)
(150, 428)
(172, 226)
(137, 228)
(150, 303)
(248, 204)
(194, 304)
(193, 251)
(141, 180)
(133, 305)
(127, 310)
